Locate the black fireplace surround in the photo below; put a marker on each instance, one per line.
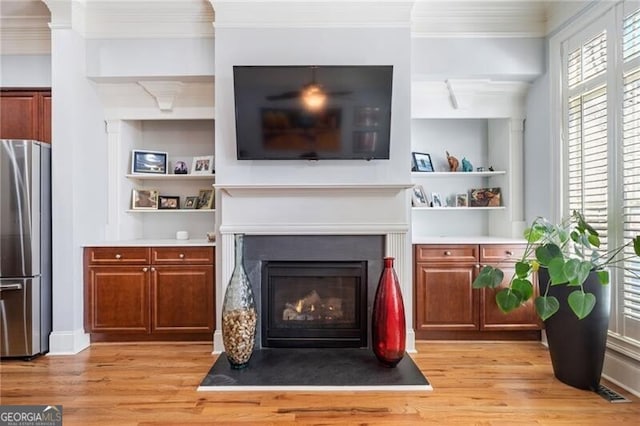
(330, 271)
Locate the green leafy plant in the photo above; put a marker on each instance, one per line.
(569, 251)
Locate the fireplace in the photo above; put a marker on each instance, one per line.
(314, 304)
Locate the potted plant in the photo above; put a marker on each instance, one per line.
(574, 300)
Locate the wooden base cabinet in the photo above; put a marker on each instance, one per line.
(149, 293)
(447, 306)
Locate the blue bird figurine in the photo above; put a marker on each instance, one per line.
(466, 165)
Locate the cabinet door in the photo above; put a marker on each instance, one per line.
(182, 299)
(117, 299)
(45, 118)
(445, 299)
(491, 317)
(19, 115)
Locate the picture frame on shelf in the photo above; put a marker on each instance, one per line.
(144, 199)
(436, 200)
(421, 162)
(168, 202)
(202, 165)
(419, 197)
(485, 197)
(191, 202)
(462, 200)
(180, 168)
(205, 199)
(148, 162)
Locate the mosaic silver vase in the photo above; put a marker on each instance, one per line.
(239, 318)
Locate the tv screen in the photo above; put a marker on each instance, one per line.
(313, 112)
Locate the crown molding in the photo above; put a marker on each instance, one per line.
(312, 14)
(454, 18)
(106, 19)
(24, 28)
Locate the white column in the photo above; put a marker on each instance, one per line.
(399, 247)
(227, 262)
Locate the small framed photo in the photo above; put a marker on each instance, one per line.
(180, 168)
(421, 162)
(462, 200)
(144, 199)
(202, 165)
(168, 202)
(419, 197)
(205, 199)
(191, 202)
(485, 197)
(154, 162)
(436, 200)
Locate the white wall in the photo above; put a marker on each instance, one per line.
(517, 59)
(78, 184)
(538, 184)
(125, 58)
(25, 71)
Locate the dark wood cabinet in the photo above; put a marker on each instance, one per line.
(491, 317)
(444, 278)
(118, 299)
(149, 293)
(25, 114)
(447, 307)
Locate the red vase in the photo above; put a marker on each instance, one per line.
(387, 319)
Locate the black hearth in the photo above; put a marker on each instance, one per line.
(314, 304)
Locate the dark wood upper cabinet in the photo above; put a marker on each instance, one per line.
(25, 114)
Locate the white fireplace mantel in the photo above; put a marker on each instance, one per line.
(316, 209)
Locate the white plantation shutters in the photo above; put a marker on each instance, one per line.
(601, 134)
(586, 131)
(631, 168)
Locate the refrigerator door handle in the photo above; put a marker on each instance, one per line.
(11, 286)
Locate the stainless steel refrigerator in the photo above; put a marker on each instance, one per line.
(25, 248)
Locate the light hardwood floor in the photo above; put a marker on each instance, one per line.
(505, 383)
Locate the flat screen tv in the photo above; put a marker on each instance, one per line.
(313, 112)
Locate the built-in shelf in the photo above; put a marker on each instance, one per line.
(174, 177)
(174, 211)
(457, 174)
(458, 208)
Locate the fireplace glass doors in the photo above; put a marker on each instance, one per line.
(314, 304)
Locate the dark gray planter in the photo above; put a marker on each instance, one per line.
(576, 346)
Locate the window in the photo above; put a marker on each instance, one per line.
(601, 134)
(631, 167)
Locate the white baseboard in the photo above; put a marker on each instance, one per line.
(623, 371)
(68, 342)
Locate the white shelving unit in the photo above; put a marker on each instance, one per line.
(455, 175)
(172, 177)
(172, 211)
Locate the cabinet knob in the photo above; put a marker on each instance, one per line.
(181, 255)
(447, 253)
(153, 269)
(118, 256)
(509, 253)
(145, 269)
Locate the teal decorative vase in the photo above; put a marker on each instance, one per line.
(239, 318)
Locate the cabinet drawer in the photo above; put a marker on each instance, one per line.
(446, 253)
(117, 255)
(182, 255)
(495, 253)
